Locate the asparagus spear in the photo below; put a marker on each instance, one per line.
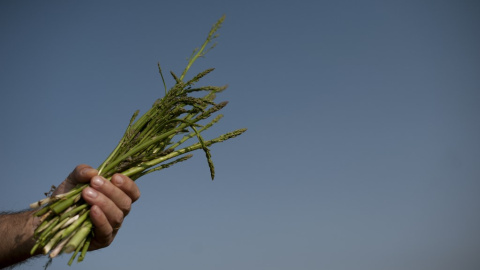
(150, 143)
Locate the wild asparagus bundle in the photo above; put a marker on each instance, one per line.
(152, 142)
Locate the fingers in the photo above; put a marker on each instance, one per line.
(103, 231)
(81, 174)
(111, 201)
(127, 186)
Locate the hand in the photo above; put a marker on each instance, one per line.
(110, 201)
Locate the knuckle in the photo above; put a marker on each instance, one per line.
(126, 205)
(127, 201)
(136, 192)
(137, 195)
(117, 221)
(126, 211)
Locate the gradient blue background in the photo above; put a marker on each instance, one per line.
(363, 145)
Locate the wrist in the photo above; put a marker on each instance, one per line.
(33, 223)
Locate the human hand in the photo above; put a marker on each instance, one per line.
(110, 201)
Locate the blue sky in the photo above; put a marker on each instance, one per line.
(363, 145)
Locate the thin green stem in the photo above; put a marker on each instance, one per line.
(79, 237)
(73, 212)
(75, 253)
(196, 146)
(145, 145)
(200, 52)
(85, 248)
(193, 134)
(64, 204)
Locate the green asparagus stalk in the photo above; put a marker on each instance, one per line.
(150, 143)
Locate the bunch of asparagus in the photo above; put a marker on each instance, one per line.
(150, 143)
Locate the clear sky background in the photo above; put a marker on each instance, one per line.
(363, 146)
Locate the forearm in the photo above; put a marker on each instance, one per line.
(16, 234)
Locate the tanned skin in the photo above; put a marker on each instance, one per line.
(110, 200)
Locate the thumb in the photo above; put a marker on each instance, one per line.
(81, 174)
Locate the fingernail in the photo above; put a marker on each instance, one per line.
(97, 181)
(91, 193)
(86, 171)
(118, 180)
